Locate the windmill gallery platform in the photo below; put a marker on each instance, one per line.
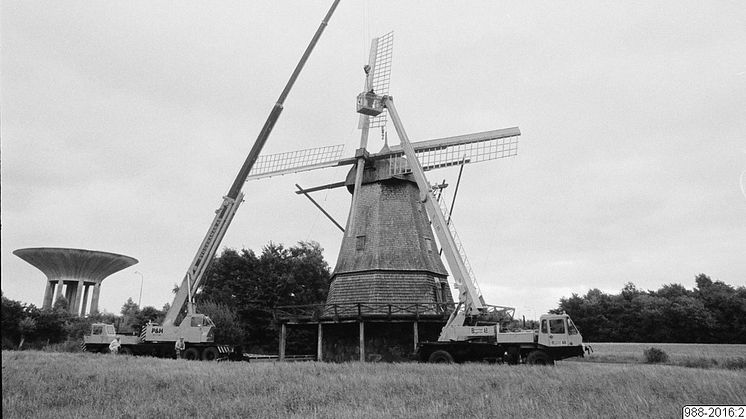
(77, 270)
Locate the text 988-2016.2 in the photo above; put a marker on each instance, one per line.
(713, 411)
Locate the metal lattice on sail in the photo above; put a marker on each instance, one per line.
(472, 148)
(296, 161)
(382, 74)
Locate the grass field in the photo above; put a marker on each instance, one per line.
(681, 354)
(62, 385)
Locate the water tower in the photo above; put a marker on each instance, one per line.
(77, 270)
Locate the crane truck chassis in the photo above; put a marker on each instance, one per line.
(196, 347)
(556, 339)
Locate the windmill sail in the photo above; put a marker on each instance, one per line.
(470, 148)
(434, 154)
(380, 76)
(296, 161)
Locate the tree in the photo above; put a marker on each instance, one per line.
(26, 327)
(714, 312)
(130, 311)
(12, 313)
(52, 326)
(130, 308)
(148, 314)
(227, 327)
(61, 304)
(727, 306)
(252, 286)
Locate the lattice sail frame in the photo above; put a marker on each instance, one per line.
(296, 161)
(381, 76)
(439, 156)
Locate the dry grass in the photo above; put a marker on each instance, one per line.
(681, 354)
(61, 385)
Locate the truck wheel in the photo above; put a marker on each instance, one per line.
(210, 353)
(440, 357)
(191, 354)
(539, 358)
(125, 351)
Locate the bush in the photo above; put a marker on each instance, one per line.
(8, 344)
(655, 356)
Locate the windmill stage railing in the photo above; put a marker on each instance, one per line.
(405, 310)
(389, 311)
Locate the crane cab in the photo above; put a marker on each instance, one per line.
(197, 328)
(558, 330)
(101, 333)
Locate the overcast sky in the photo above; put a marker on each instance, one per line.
(124, 124)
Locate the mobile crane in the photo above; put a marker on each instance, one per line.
(473, 330)
(198, 330)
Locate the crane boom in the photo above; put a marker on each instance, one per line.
(224, 214)
(468, 293)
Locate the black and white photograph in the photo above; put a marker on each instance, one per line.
(373, 209)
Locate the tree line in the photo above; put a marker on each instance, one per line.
(241, 289)
(712, 312)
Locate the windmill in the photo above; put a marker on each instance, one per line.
(388, 252)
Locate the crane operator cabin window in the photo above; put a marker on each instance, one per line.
(571, 329)
(557, 326)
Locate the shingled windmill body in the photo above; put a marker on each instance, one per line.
(388, 274)
(388, 253)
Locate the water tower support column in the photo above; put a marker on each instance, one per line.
(48, 294)
(85, 300)
(78, 297)
(94, 297)
(58, 290)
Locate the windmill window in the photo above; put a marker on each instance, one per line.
(428, 245)
(360, 243)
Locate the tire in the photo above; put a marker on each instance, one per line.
(210, 353)
(190, 354)
(440, 357)
(539, 357)
(125, 351)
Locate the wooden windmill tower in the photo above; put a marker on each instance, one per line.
(388, 253)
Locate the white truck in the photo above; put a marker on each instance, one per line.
(196, 329)
(556, 339)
